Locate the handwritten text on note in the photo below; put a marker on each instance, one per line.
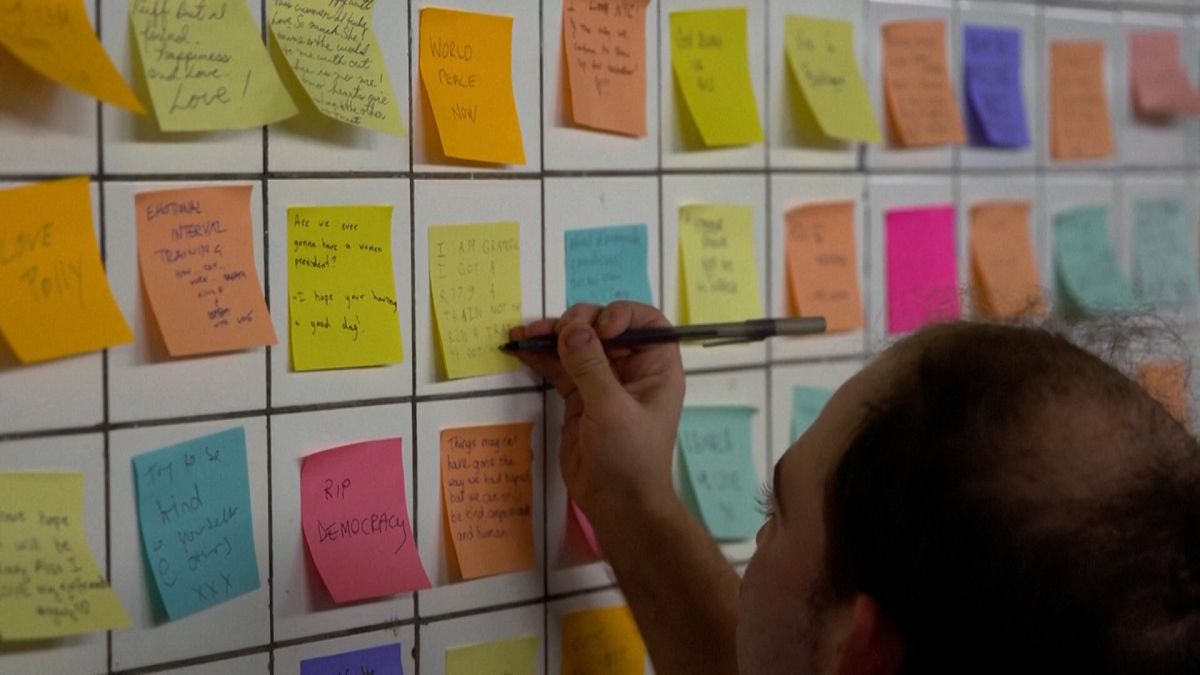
(1003, 270)
(992, 79)
(711, 64)
(820, 56)
(605, 264)
(1089, 276)
(1080, 124)
(382, 660)
(920, 100)
(822, 264)
(717, 265)
(605, 50)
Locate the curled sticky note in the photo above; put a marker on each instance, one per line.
(1164, 253)
(1003, 269)
(717, 264)
(712, 72)
(716, 455)
(604, 49)
(1080, 123)
(820, 56)
(992, 79)
(1159, 83)
(1089, 278)
(822, 264)
(920, 99)
(922, 267)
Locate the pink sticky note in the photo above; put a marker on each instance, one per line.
(922, 267)
(585, 529)
(355, 518)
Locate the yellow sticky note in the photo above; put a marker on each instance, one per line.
(466, 72)
(718, 270)
(55, 38)
(57, 301)
(206, 66)
(712, 71)
(605, 640)
(475, 283)
(502, 657)
(820, 55)
(49, 579)
(335, 55)
(341, 290)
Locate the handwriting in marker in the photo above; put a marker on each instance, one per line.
(719, 272)
(605, 264)
(1003, 267)
(822, 264)
(715, 452)
(921, 107)
(1080, 123)
(820, 55)
(710, 63)
(605, 56)
(382, 660)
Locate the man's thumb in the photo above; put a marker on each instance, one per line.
(583, 358)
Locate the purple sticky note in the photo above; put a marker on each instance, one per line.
(922, 267)
(383, 660)
(992, 73)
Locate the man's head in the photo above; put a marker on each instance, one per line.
(981, 499)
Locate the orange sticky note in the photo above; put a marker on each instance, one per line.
(1159, 83)
(922, 110)
(1080, 124)
(1167, 383)
(55, 38)
(604, 46)
(1003, 270)
(822, 264)
(602, 640)
(56, 299)
(487, 490)
(466, 72)
(196, 254)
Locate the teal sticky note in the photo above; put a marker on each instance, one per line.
(1164, 253)
(714, 450)
(1086, 265)
(606, 264)
(807, 403)
(193, 501)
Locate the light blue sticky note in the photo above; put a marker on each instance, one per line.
(992, 70)
(193, 502)
(807, 403)
(1164, 253)
(1086, 264)
(606, 264)
(382, 660)
(714, 448)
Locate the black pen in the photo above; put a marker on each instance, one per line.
(715, 334)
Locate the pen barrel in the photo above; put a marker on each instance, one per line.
(648, 336)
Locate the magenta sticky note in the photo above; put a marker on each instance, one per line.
(355, 517)
(922, 267)
(585, 529)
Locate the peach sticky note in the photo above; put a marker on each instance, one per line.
(57, 301)
(354, 514)
(711, 64)
(1159, 83)
(487, 491)
(466, 72)
(196, 253)
(718, 271)
(922, 267)
(822, 264)
(922, 110)
(55, 38)
(604, 46)
(475, 282)
(1080, 124)
(1003, 270)
(1167, 383)
(603, 639)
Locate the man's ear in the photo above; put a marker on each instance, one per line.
(873, 645)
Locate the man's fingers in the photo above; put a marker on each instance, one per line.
(623, 315)
(588, 366)
(581, 313)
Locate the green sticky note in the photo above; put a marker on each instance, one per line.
(807, 403)
(1164, 253)
(1086, 265)
(820, 55)
(714, 449)
(502, 657)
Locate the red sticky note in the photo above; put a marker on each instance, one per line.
(922, 267)
(585, 529)
(355, 517)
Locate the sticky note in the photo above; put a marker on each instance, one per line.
(487, 490)
(355, 518)
(604, 639)
(196, 255)
(475, 282)
(502, 657)
(922, 267)
(341, 290)
(1080, 123)
(807, 404)
(992, 80)
(1086, 264)
(1003, 270)
(1164, 253)
(466, 72)
(584, 527)
(1160, 85)
(193, 505)
(717, 266)
(57, 301)
(605, 264)
(50, 582)
(333, 51)
(382, 660)
(711, 64)
(822, 264)
(1167, 383)
(714, 449)
(55, 38)
(921, 107)
(820, 57)
(206, 67)
(604, 47)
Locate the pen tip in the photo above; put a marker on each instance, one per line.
(508, 347)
